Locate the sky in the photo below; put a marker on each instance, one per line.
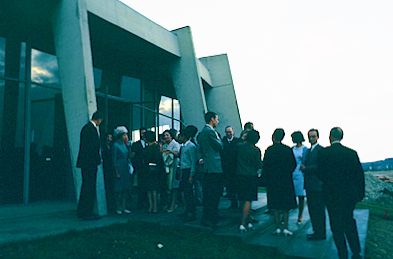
(299, 64)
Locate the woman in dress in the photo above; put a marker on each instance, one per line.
(170, 153)
(153, 168)
(121, 163)
(298, 179)
(248, 163)
(278, 165)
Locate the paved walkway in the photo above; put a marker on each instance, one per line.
(38, 220)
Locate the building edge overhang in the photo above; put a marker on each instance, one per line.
(130, 20)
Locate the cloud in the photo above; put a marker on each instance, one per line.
(44, 68)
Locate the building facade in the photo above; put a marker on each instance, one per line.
(62, 60)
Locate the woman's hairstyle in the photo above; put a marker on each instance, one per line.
(297, 137)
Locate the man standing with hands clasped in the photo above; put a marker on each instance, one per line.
(343, 185)
(89, 158)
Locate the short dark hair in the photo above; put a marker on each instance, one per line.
(317, 131)
(97, 116)
(209, 116)
(278, 134)
(150, 136)
(248, 125)
(253, 136)
(192, 130)
(297, 137)
(227, 127)
(337, 133)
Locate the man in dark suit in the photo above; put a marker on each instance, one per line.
(343, 186)
(229, 165)
(89, 158)
(313, 186)
(137, 161)
(210, 147)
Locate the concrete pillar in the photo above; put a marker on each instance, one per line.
(73, 51)
(221, 97)
(187, 81)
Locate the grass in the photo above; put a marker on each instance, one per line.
(135, 240)
(380, 231)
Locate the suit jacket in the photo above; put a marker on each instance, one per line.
(89, 147)
(210, 148)
(342, 175)
(229, 153)
(311, 179)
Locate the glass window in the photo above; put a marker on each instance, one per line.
(44, 69)
(2, 56)
(131, 89)
(97, 73)
(176, 114)
(165, 108)
(12, 100)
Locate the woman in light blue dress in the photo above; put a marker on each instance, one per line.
(299, 151)
(122, 180)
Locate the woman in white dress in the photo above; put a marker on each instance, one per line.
(299, 151)
(170, 154)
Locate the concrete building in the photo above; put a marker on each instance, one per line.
(62, 60)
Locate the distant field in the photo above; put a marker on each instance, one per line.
(387, 173)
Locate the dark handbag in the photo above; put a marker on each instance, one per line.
(178, 173)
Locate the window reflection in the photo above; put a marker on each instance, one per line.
(2, 56)
(97, 73)
(131, 89)
(44, 68)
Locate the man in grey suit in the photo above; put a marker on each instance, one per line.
(313, 186)
(210, 147)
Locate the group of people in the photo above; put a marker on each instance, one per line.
(330, 178)
(194, 166)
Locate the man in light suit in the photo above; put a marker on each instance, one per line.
(343, 186)
(210, 148)
(313, 186)
(89, 158)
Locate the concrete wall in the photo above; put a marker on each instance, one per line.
(73, 51)
(123, 16)
(221, 97)
(187, 81)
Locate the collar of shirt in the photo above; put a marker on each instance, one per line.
(335, 142)
(313, 146)
(187, 142)
(230, 140)
(143, 143)
(95, 125)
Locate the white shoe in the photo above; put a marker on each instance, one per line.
(277, 231)
(242, 229)
(286, 232)
(127, 211)
(250, 226)
(119, 212)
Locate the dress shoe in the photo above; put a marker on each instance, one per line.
(314, 237)
(250, 226)
(242, 229)
(277, 231)
(126, 211)
(286, 232)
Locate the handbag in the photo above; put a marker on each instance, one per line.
(130, 168)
